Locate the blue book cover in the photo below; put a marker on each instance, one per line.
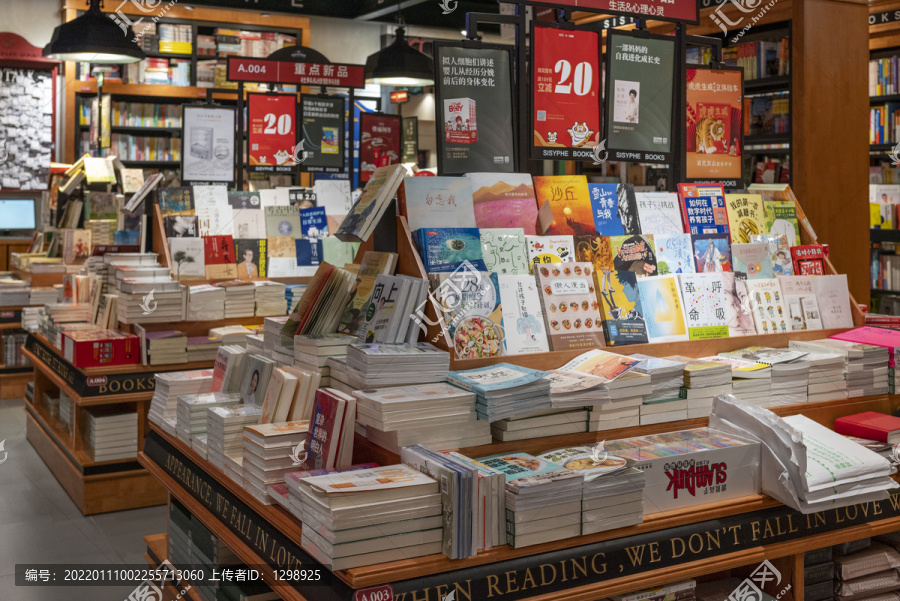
(519, 465)
(309, 252)
(605, 207)
(494, 378)
(444, 249)
(706, 215)
(125, 237)
(313, 222)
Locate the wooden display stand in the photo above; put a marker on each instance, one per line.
(94, 486)
(14, 379)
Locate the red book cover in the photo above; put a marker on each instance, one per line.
(869, 424)
(324, 430)
(808, 259)
(96, 348)
(218, 250)
(711, 190)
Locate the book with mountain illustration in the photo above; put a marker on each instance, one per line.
(565, 205)
(504, 200)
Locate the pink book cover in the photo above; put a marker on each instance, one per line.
(218, 375)
(324, 424)
(505, 200)
(889, 339)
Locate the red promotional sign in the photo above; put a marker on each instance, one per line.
(379, 142)
(272, 131)
(714, 110)
(566, 98)
(681, 11)
(311, 74)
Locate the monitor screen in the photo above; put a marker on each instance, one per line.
(17, 214)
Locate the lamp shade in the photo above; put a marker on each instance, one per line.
(94, 38)
(298, 54)
(399, 65)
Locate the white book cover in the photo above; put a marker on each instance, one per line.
(550, 249)
(704, 305)
(767, 306)
(523, 319)
(503, 250)
(210, 196)
(833, 298)
(282, 267)
(249, 224)
(376, 478)
(274, 198)
(659, 213)
(187, 257)
(439, 202)
(215, 220)
(886, 194)
(800, 296)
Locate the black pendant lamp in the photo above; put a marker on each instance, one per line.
(94, 38)
(399, 65)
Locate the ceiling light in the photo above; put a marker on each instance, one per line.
(399, 65)
(94, 38)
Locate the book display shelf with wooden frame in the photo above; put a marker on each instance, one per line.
(13, 378)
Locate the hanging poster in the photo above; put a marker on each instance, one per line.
(207, 138)
(379, 142)
(714, 124)
(639, 86)
(410, 150)
(566, 93)
(272, 132)
(473, 109)
(323, 134)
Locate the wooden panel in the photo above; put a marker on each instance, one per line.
(12, 386)
(65, 473)
(831, 87)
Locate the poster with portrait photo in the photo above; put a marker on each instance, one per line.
(640, 73)
(207, 144)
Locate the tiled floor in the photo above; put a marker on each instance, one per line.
(40, 524)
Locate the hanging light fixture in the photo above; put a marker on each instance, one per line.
(94, 38)
(399, 65)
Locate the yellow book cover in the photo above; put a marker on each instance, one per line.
(564, 203)
(746, 216)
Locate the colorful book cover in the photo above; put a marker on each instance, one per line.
(663, 310)
(445, 249)
(746, 216)
(188, 257)
(76, 246)
(700, 216)
(379, 191)
(175, 200)
(518, 465)
(623, 316)
(100, 205)
(601, 364)
(705, 310)
(737, 306)
(659, 213)
(181, 226)
(282, 221)
(439, 202)
(674, 253)
(549, 249)
(752, 261)
(712, 252)
(634, 253)
(472, 313)
(808, 259)
(309, 253)
(881, 216)
(523, 318)
(323, 427)
(503, 250)
(219, 258)
(781, 219)
(779, 251)
(373, 263)
(569, 301)
(504, 200)
(800, 296)
(314, 222)
(833, 298)
(767, 306)
(595, 249)
(605, 207)
(494, 378)
(252, 258)
(565, 205)
(281, 247)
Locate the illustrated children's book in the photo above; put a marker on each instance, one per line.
(674, 253)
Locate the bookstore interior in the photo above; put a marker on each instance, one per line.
(449, 300)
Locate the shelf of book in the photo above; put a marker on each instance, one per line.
(755, 139)
(881, 147)
(665, 547)
(157, 553)
(153, 129)
(780, 83)
(884, 235)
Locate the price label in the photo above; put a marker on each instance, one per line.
(566, 119)
(272, 132)
(378, 593)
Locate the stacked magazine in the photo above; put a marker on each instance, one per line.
(376, 365)
(505, 390)
(625, 387)
(703, 380)
(865, 366)
(751, 380)
(574, 389)
(549, 422)
(111, 434)
(826, 377)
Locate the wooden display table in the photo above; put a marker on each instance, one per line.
(666, 547)
(94, 486)
(13, 378)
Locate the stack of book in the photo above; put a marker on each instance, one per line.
(505, 390)
(379, 365)
(234, 468)
(870, 573)
(269, 298)
(240, 298)
(612, 495)
(205, 303)
(271, 333)
(113, 273)
(790, 382)
(65, 409)
(202, 348)
(573, 389)
(438, 415)
(230, 334)
(865, 366)
(111, 434)
(751, 381)
(292, 294)
(171, 385)
(369, 516)
(703, 381)
(270, 452)
(312, 352)
(664, 404)
(167, 307)
(41, 296)
(166, 347)
(224, 429)
(14, 292)
(287, 493)
(549, 422)
(179, 534)
(626, 395)
(191, 412)
(543, 500)
(826, 377)
(212, 554)
(58, 315)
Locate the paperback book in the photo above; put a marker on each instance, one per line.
(800, 297)
(504, 200)
(674, 253)
(659, 213)
(781, 220)
(712, 252)
(808, 259)
(663, 311)
(746, 217)
(635, 254)
(565, 205)
(752, 261)
(503, 250)
(549, 249)
(767, 306)
(569, 302)
(705, 310)
(779, 252)
(439, 202)
(523, 318)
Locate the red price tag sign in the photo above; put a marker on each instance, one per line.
(377, 593)
(566, 91)
(248, 69)
(272, 132)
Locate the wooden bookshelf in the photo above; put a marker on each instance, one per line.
(157, 553)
